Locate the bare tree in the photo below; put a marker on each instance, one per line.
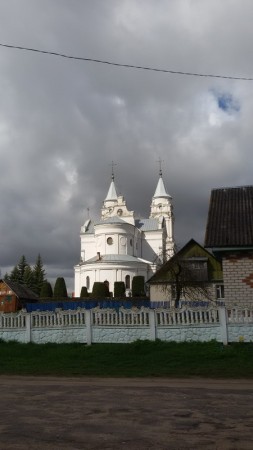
(185, 278)
(189, 281)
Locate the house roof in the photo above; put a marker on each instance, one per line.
(147, 224)
(230, 217)
(191, 251)
(116, 258)
(20, 290)
(88, 227)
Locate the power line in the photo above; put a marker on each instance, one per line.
(128, 66)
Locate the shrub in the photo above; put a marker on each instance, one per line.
(119, 289)
(46, 290)
(60, 290)
(138, 286)
(100, 290)
(84, 292)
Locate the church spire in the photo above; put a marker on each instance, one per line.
(160, 191)
(112, 193)
(114, 205)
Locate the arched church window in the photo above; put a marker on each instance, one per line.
(127, 281)
(88, 282)
(109, 241)
(131, 242)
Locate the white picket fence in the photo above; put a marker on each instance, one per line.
(126, 325)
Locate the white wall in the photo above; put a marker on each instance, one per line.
(101, 325)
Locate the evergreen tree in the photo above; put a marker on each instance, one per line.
(28, 278)
(38, 275)
(6, 277)
(15, 275)
(22, 264)
(60, 290)
(46, 290)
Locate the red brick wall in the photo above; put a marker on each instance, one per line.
(238, 277)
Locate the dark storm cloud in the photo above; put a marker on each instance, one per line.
(63, 122)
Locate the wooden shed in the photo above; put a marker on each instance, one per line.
(14, 296)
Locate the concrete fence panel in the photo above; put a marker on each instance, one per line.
(124, 325)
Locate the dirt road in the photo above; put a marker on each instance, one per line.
(133, 414)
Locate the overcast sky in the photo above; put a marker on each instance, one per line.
(63, 121)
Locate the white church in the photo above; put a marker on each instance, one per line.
(120, 246)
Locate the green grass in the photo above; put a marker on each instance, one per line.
(139, 359)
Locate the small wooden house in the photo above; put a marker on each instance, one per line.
(14, 296)
(192, 274)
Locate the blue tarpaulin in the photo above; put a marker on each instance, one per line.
(87, 304)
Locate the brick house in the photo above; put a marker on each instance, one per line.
(14, 296)
(193, 271)
(229, 233)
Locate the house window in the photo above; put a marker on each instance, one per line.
(88, 282)
(219, 291)
(127, 281)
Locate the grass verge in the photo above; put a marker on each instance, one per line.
(139, 359)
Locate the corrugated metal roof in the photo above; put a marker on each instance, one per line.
(147, 224)
(230, 217)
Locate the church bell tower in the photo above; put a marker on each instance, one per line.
(162, 209)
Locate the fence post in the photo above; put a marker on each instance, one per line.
(223, 325)
(152, 324)
(88, 325)
(28, 327)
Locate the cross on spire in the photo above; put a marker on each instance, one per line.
(160, 161)
(113, 164)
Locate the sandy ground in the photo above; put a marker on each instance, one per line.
(136, 414)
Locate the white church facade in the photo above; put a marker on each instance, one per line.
(121, 246)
